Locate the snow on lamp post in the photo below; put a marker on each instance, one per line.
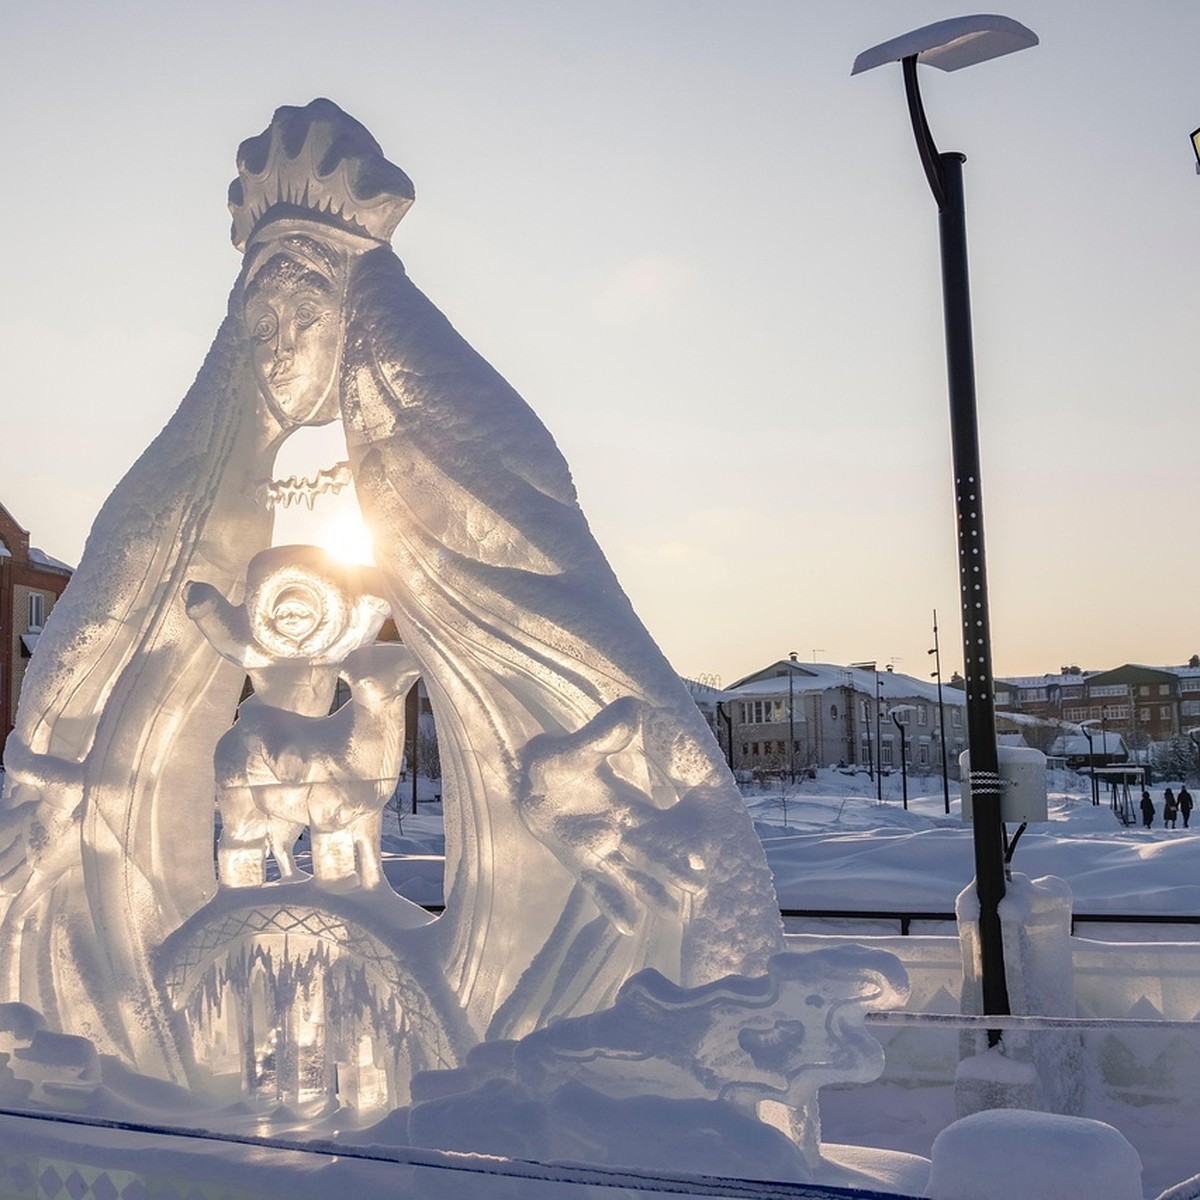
(950, 45)
(1196, 147)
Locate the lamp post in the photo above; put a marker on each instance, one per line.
(950, 45)
(1087, 733)
(895, 715)
(878, 738)
(792, 716)
(937, 674)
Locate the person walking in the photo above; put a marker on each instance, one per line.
(1147, 809)
(1185, 805)
(1170, 809)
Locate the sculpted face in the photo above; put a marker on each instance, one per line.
(296, 613)
(293, 317)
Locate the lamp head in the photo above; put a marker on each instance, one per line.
(1196, 147)
(951, 45)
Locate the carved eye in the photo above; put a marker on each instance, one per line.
(306, 314)
(265, 327)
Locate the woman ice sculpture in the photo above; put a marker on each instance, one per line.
(592, 827)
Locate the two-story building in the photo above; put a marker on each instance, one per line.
(30, 584)
(792, 715)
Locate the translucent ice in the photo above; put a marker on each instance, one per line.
(593, 829)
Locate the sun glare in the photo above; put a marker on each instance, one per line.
(346, 537)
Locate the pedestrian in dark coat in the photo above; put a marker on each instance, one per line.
(1147, 809)
(1170, 808)
(1185, 805)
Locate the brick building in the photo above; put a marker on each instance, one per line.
(30, 584)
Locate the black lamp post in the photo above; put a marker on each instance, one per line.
(1087, 733)
(792, 715)
(937, 673)
(878, 739)
(950, 45)
(895, 715)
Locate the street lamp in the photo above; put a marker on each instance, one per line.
(1085, 726)
(937, 674)
(895, 715)
(1196, 147)
(950, 45)
(878, 738)
(792, 716)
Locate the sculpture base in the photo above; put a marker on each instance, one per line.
(289, 994)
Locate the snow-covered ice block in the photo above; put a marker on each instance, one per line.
(1010, 1153)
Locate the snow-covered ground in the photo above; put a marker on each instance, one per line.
(833, 845)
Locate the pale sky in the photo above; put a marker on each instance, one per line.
(707, 257)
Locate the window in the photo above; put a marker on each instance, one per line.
(922, 715)
(923, 754)
(903, 716)
(1144, 690)
(833, 712)
(1075, 714)
(956, 716)
(866, 711)
(754, 749)
(1144, 715)
(1112, 689)
(885, 753)
(1190, 708)
(1164, 712)
(1035, 693)
(37, 610)
(1164, 689)
(745, 749)
(1190, 685)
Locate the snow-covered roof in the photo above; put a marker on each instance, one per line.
(1038, 681)
(820, 677)
(48, 562)
(1075, 745)
(5, 552)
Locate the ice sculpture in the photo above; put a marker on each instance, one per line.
(287, 763)
(593, 830)
(540, 674)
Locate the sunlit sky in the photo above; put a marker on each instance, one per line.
(707, 257)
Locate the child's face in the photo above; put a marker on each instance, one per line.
(295, 614)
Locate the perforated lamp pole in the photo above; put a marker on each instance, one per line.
(950, 45)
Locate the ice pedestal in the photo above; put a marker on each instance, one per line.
(1044, 1069)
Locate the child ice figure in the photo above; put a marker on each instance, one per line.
(303, 616)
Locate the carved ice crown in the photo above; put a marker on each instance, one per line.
(318, 163)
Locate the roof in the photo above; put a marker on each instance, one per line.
(821, 677)
(48, 562)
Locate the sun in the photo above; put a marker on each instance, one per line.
(344, 535)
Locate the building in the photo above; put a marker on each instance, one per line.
(30, 585)
(791, 715)
(1139, 703)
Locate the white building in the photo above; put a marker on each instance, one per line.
(793, 715)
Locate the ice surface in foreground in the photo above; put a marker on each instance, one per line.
(592, 828)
